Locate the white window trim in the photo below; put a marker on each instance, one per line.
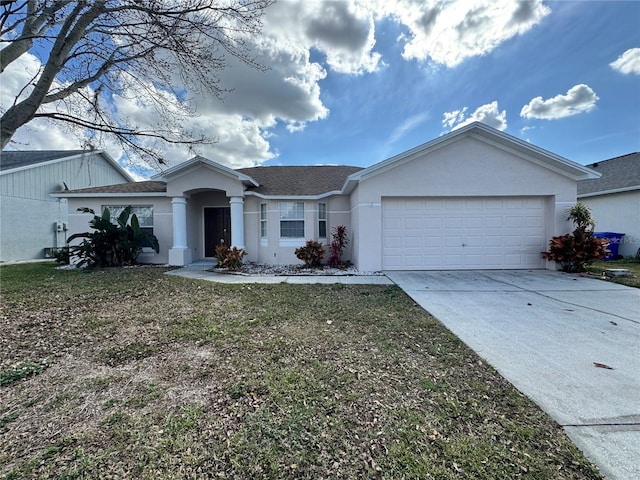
(289, 241)
(114, 219)
(263, 215)
(325, 220)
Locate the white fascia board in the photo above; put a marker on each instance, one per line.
(544, 159)
(104, 154)
(488, 135)
(609, 192)
(294, 197)
(184, 168)
(107, 195)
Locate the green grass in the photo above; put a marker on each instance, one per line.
(632, 265)
(159, 377)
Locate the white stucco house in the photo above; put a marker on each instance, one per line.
(614, 199)
(30, 218)
(475, 198)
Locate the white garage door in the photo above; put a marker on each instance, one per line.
(463, 233)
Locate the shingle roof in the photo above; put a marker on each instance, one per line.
(301, 180)
(280, 181)
(132, 187)
(24, 158)
(618, 173)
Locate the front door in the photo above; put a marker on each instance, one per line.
(217, 228)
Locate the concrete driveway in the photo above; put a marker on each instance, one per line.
(550, 334)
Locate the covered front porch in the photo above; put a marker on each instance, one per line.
(207, 201)
(202, 220)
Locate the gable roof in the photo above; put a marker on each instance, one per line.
(299, 180)
(184, 167)
(488, 135)
(16, 160)
(619, 174)
(122, 189)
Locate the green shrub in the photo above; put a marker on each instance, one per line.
(62, 255)
(230, 258)
(111, 244)
(311, 254)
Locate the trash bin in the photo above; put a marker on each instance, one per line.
(615, 239)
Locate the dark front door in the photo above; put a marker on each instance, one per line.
(217, 227)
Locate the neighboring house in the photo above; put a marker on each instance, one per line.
(30, 219)
(614, 199)
(475, 198)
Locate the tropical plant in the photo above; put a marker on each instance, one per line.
(111, 244)
(574, 251)
(311, 254)
(230, 258)
(338, 244)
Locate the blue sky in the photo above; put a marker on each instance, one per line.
(374, 116)
(357, 81)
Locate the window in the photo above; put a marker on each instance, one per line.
(263, 220)
(322, 220)
(292, 219)
(143, 212)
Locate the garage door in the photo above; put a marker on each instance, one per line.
(463, 233)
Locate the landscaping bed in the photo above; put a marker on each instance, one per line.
(130, 373)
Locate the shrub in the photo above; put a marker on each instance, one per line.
(311, 254)
(339, 242)
(574, 251)
(62, 255)
(111, 244)
(230, 258)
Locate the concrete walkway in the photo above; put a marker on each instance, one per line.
(553, 335)
(200, 271)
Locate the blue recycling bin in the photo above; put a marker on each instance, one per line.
(615, 239)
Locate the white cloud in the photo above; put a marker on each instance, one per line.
(39, 134)
(406, 126)
(343, 31)
(488, 114)
(578, 99)
(303, 42)
(628, 62)
(450, 32)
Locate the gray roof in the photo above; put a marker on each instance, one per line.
(149, 186)
(16, 159)
(278, 181)
(302, 180)
(618, 174)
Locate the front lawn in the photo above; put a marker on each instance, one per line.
(129, 373)
(632, 265)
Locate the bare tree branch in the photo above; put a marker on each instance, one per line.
(92, 50)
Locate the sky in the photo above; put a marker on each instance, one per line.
(356, 82)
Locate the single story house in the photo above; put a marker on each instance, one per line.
(30, 218)
(476, 198)
(614, 199)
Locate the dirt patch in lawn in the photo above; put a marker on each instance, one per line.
(155, 376)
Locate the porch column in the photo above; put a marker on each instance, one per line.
(180, 253)
(237, 221)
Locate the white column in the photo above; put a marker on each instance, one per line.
(179, 205)
(180, 253)
(237, 222)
